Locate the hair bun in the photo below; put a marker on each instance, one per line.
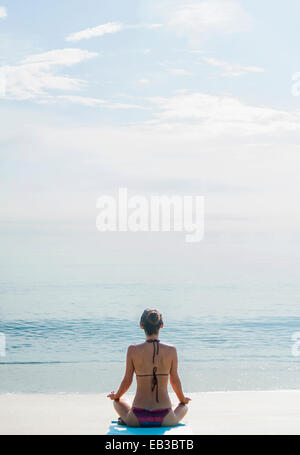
(151, 321)
(153, 317)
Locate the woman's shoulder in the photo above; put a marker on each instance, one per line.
(132, 347)
(169, 346)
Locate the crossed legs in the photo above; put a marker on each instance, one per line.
(123, 409)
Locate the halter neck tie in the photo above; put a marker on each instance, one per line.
(157, 348)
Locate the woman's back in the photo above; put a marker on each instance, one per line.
(152, 386)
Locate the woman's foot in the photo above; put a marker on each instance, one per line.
(121, 421)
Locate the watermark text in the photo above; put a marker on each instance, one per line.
(138, 213)
(2, 345)
(295, 90)
(296, 345)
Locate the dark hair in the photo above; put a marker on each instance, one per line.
(151, 321)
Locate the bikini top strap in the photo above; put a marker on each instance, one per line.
(155, 383)
(154, 374)
(157, 348)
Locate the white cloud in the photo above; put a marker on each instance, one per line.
(151, 26)
(84, 101)
(58, 57)
(35, 77)
(100, 30)
(89, 102)
(125, 106)
(108, 28)
(232, 70)
(36, 74)
(3, 12)
(179, 72)
(203, 114)
(195, 19)
(196, 51)
(144, 81)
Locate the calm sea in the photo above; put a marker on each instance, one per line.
(67, 328)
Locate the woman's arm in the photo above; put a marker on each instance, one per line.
(175, 380)
(127, 380)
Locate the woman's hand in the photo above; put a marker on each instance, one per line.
(185, 400)
(112, 395)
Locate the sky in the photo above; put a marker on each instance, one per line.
(165, 97)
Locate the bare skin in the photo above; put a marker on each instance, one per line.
(139, 361)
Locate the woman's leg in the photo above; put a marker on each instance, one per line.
(181, 411)
(123, 408)
(174, 417)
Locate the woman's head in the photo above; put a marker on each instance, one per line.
(151, 321)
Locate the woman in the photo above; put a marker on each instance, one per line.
(153, 363)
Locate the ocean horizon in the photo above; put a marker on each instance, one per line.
(68, 331)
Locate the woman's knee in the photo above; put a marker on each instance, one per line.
(115, 404)
(185, 409)
(122, 402)
(181, 411)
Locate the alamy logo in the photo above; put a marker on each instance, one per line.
(2, 345)
(152, 214)
(296, 85)
(296, 345)
(2, 85)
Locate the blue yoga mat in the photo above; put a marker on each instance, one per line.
(122, 430)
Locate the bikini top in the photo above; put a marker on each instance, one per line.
(154, 374)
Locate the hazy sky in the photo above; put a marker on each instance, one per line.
(168, 96)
